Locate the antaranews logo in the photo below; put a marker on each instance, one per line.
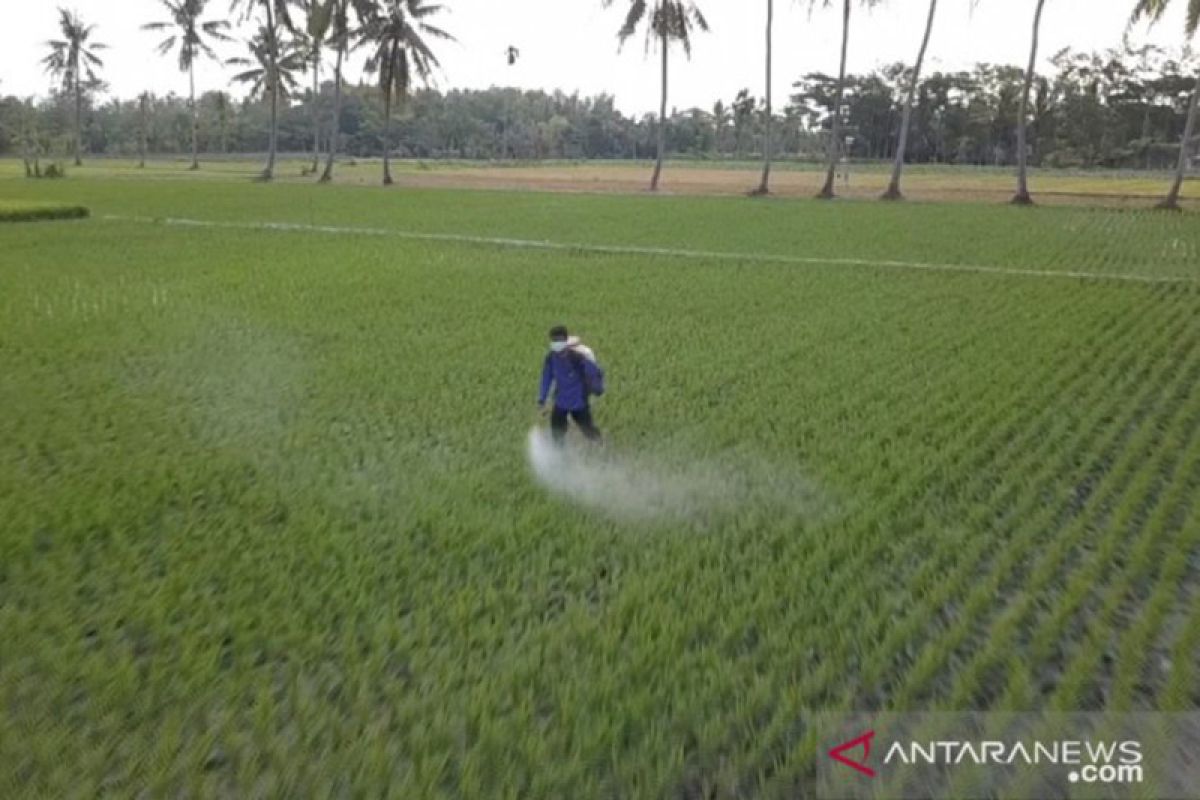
(1096, 762)
(897, 756)
(864, 741)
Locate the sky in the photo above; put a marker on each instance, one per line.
(571, 44)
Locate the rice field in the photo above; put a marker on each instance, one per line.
(271, 530)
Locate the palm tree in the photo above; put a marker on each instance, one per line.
(143, 127)
(399, 52)
(1154, 9)
(720, 116)
(72, 59)
(1022, 197)
(221, 106)
(189, 34)
(266, 49)
(318, 17)
(893, 191)
(340, 36)
(270, 73)
(31, 147)
(835, 132)
(742, 110)
(669, 20)
(764, 185)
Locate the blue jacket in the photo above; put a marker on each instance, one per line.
(565, 371)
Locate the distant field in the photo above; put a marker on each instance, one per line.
(270, 530)
(923, 182)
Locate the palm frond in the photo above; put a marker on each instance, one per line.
(665, 20)
(216, 29)
(438, 33)
(1153, 11)
(637, 12)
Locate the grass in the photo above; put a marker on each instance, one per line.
(25, 211)
(270, 530)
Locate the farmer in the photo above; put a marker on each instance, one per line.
(572, 369)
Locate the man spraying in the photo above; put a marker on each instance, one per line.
(571, 369)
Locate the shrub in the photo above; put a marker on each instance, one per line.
(33, 212)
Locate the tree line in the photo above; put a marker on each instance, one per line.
(1117, 108)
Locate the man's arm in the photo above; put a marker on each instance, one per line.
(547, 380)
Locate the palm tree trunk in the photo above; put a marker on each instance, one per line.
(387, 137)
(78, 119)
(1022, 197)
(1146, 136)
(195, 121)
(1171, 202)
(662, 118)
(142, 134)
(764, 186)
(316, 164)
(835, 137)
(893, 191)
(268, 172)
(27, 138)
(273, 57)
(335, 133)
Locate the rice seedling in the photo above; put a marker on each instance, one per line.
(270, 529)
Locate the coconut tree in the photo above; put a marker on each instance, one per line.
(267, 49)
(143, 127)
(721, 118)
(341, 36)
(271, 73)
(399, 52)
(1022, 197)
(31, 147)
(1154, 10)
(668, 21)
(835, 132)
(222, 107)
(764, 185)
(73, 62)
(190, 35)
(914, 82)
(318, 18)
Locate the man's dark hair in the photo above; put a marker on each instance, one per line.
(559, 333)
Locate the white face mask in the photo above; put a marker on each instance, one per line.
(558, 347)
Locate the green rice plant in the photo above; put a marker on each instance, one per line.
(270, 529)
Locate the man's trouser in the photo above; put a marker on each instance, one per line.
(583, 419)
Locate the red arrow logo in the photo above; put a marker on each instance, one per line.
(864, 741)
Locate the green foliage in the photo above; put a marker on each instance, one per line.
(665, 20)
(269, 530)
(188, 32)
(1116, 109)
(54, 171)
(16, 211)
